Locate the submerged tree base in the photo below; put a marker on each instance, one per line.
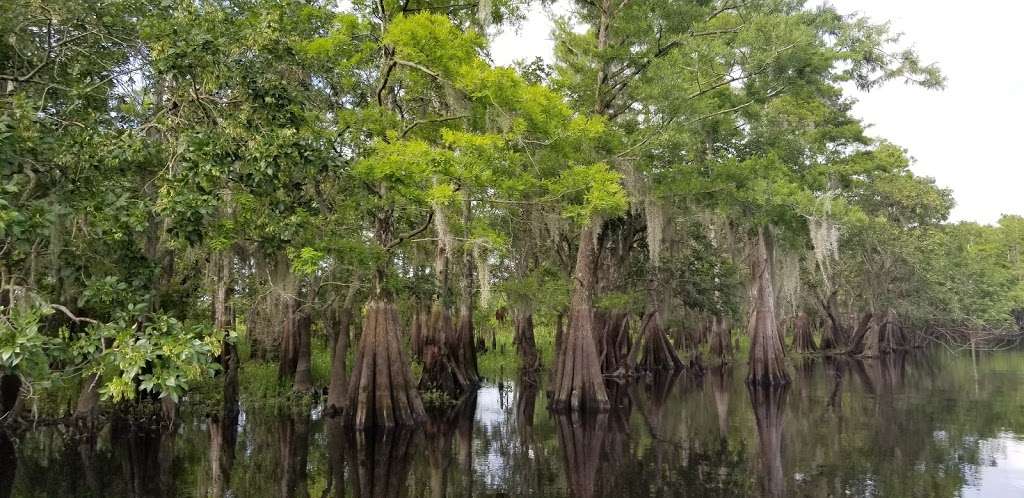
(381, 391)
(657, 353)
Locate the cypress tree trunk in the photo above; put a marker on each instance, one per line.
(803, 339)
(657, 353)
(615, 343)
(449, 359)
(721, 338)
(303, 375)
(833, 335)
(288, 308)
(337, 391)
(525, 343)
(579, 385)
(224, 320)
(439, 369)
(463, 344)
(857, 342)
(381, 391)
(417, 334)
(767, 357)
(873, 339)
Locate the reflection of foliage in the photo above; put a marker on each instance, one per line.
(919, 434)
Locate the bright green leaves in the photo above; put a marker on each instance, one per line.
(431, 41)
(406, 168)
(590, 192)
(163, 358)
(22, 345)
(306, 261)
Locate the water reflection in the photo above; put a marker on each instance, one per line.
(897, 425)
(581, 437)
(379, 462)
(148, 449)
(8, 464)
(768, 404)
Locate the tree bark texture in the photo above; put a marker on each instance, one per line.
(767, 357)
(337, 391)
(525, 343)
(381, 391)
(579, 385)
(656, 352)
(803, 338)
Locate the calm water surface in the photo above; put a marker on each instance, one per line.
(931, 424)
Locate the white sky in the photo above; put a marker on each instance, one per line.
(964, 136)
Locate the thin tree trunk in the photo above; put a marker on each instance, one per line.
(857, 342)
(803, 339)
(288, 306)
(465, 349)
(337, 391)
(303, 362)
(525, 342)
(721, 338)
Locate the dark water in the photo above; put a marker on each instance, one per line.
(925, 425)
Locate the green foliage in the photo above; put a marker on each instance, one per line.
(592, 191)
(160, 356)
(23, 347)
(162, 151)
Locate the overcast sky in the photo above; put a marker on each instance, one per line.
(966, 136)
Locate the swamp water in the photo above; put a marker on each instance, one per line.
(933, 424)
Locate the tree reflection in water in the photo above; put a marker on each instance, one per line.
(892, 425)
(293, 434)
(768, 403)
(580, 437)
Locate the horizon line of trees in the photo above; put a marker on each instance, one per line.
(174, 170)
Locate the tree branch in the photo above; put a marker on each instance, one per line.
(409, 235)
